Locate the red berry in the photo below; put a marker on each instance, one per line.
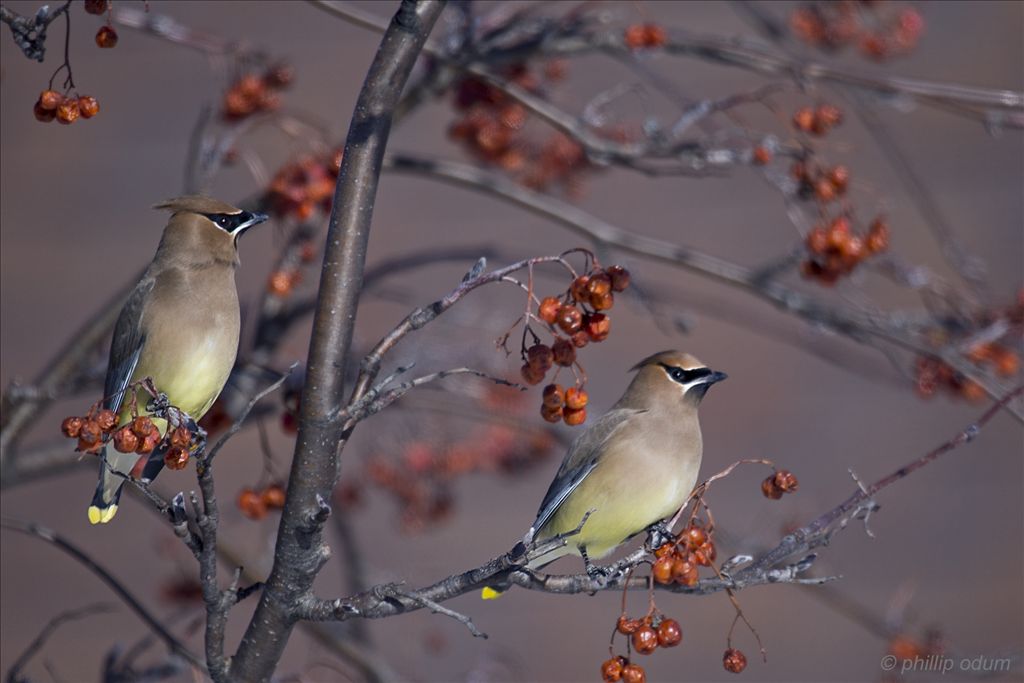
(695, 537)
(669, 633)
(579, 289)
(148, 443)
(620, 278)
(88, 106)
(530, 374)
(71, 426)
(548, 309)
(574, 416)
(761, 156)
(602, 302)
(106, 419)
(106, 37)
(564, 352)
(580, 339)
(540, 356)
(611, 670)
(50, 100)
(627, 626)
(569, 319)
(90, 433)
(141, 426)
(67, 111)
(734, 661)
(633, 673)
(597, 326)
(95, 6)
(662, 569)
(273, 497)
(125, 440)
(181, 436)
(176, 458)
(599, 284)
(251, 504)
(645, 640)
(803, 119)
(553, 396)
(43, 115)
(551, 414)
(576, 398)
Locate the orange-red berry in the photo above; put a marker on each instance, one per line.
(125, 440)
(106, 419)
(645, 640)
(627, 626)
(531, 374)
(90, 433)
(662, 569)
(569, 319)
(564, 352)
(803, 119)
(620, 278)
(548, 309)
(67, 111)
(598, 326)
(551, 414)
(251, 504)
(273, 496)
(734, 661)
(106, 37)
(540, 357)
(611, 670)
(96, 6)
(669, 633)
(88, 106)
(576, 398)
(761, 156)
(633, 673)
(574, 416)
(71, 426)
(553, 396)
(43, 115)
(50, 99)
(181, 436)
(579, 290)
(176, 458)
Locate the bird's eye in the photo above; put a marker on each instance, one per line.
(677, 374)
(224, 222)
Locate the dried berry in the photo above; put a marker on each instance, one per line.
(530, 374)
(90, 433)
(43, 115)
(148, 443)
(599, 284)
(695, 537)
(662, 569)
(548, 309)
(106, 419)
(540, 356)
(597, 326)
(670, 633)
(142, 426)
(551, 414)
(125, 440)
(705, 554)
(181, 436)
(580, 338)
(602, 302)
(633, 673)
(569, 319)
(88, 106)
(71, 426)
(620, 278)
(176, 458)
(803, 119)
(576, 398)
(96, 6)
(734, 661)
(574, 416)
(645, 640)
(627, 626)
(106, 37)
(579, 290)
(564, 352)
(67, 111)
(611, 670)
(50, 100)
(553, 396)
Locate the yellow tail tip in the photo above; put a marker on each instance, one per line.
(101, 516)
(489, 593)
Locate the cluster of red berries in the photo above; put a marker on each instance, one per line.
(931, 374)
(644, 36)
(64, 108)
(817, 120)
(255, 504)
(493, 128)
(577, 314)
(300, 186)
(880, 32)
(835, 250)
(779, 484)
(138, 436)
(256, 92)
(420, 479)
(823, 183)
(106, 36)
(288, 272)
(678, 560)
(645, 635)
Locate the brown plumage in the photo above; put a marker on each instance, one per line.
(179, 327)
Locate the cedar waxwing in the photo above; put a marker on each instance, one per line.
(634, 467)
(179, 327)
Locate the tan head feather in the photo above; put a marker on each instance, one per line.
(196, 204)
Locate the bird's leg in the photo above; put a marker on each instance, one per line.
(159, 405)
(595, 572)
(658, 534)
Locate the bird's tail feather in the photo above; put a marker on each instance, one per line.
(108, 489)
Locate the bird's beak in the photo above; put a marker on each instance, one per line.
(716, 377)
(253, 218)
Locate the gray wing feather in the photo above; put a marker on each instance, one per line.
(126, 346)
(579, 462)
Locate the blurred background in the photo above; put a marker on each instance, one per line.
(947, 552)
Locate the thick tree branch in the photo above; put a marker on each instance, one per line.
(300, 552)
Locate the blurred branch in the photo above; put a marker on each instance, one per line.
(858, 325)
(48, 630)
(300, 551)
(30, 33)
(50, 536)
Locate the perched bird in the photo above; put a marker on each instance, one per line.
(179, 327)
(635, 466)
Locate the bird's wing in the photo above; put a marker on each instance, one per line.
(580, 461)
(126, 347)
